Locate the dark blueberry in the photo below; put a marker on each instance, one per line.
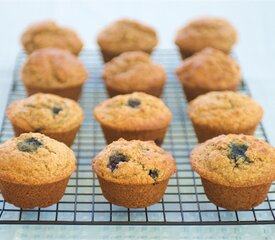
(56, 110)
(29, 145)
(236, 152)
(115, 159)
(133, 103)
(154, 173)
(38, 130)
(158, 141)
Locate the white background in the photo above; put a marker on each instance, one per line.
(255, 21)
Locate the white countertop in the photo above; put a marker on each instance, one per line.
(255, 21)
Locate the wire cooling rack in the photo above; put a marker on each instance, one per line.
(184, 202)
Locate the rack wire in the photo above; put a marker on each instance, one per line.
(184, 202)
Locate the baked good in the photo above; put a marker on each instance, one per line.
(34, 170)
(56, 71)
(47, 34)
(133, 174)
(133, 72)
(126, 35)
(236, 170)
(133, 116)
(57, 117)
(224, 112)
(206, 32)
(208, 70)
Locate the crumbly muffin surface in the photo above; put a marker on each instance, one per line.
(48, 34)
(235, 160)
(53, 68)
(127, 35)
(45, 113)
(207, 32)
(133, 71)
(133, 112)
(33, 158)
(211, 69)
(225, 109)
(134, 162)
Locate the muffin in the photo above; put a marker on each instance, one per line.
(48, 34)
(217, 113)
(57, 117)
(132, 72)
(34, 170)
(236, 170)
(133, 174)
(206, 32)
(208, 70)
(55, 71)
(133, 116)
(126, 35)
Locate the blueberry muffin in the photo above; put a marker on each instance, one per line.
(133, 116)
(48, 34)
(224, 112)
(208, 70)
(57, 117)
(34, 170)
(236, 170)
(206, 32)
(132, 72)
(133, 174)
(55, 71)
(126, 35)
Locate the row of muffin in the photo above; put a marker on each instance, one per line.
(129, 35)
(236, 171)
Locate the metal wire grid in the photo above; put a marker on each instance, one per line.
(184, 202)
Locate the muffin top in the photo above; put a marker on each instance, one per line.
(235, 160)
(205, 32)
(225, 109)
(48, 34)
(33, 158)
(127, 35)
(133, 112)
(53, 68)
(210, 69)
(134, 162)
(45, 113)
(133, 71)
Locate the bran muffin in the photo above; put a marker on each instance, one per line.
(56, 71)
(224, 112)
(206, 32)
(34, 170)
(133, 174)
(208, 70)
(133, 116)
(236, 170)
(133, 72)
(47, 34)
(57, 117)
(126, 35)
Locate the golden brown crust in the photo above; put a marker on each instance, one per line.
(48, 34)
(50, 162)
(142, 157)
(212, 161)
(127, 35)
(210, 69)
(205, 32)
(45, 113)
(150, 114)
(51, 68)
(133, 71)
(226, 111)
